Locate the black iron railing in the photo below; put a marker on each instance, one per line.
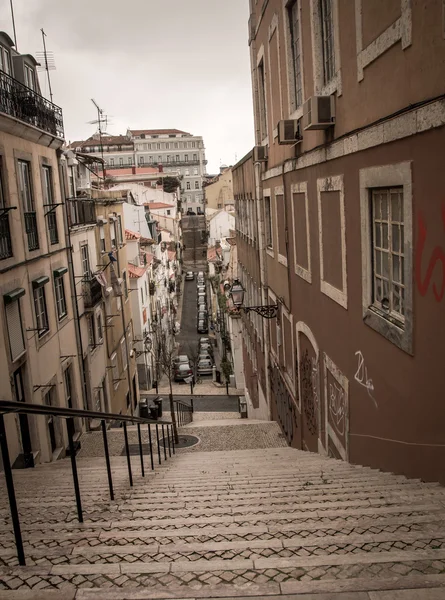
(183, 412)
(92, 292)
(80, 211)
(24, 104)
(69, 414)
(51, 222)
(31, 230)
(5, 237)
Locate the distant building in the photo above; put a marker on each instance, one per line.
(218, 192)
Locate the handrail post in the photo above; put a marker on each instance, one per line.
(11, 493)
(151, 448)
(168, 441)
(127, 451)
(157, 439)
(107, 458)
(70, 431)
(193, 408)
(140, 450)
(163, 442)
(173, 439)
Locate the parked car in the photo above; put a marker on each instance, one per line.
(205, 367)
(200, 288)
(202, 314)
(205, 356)
(200, 274)
(189, 276)
(204, 340)
(181, 358)
(202, 306)
(206, 347)
(203, 326)
(202, 298)
(182, 371)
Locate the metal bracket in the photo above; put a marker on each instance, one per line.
(53, 206)
(38, 387)
(266, 312)
(5, 209)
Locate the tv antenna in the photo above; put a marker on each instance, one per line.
(48, 59)
(101, 120)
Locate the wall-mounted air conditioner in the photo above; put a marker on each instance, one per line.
(101, 221)
(260, 154)
(289, 131)
(319, 112)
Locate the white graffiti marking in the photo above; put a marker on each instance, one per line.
(362, 378)
(315, 383)
(337, 407)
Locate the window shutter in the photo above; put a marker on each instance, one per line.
(15, 331)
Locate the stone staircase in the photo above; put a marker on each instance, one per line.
(258, 522)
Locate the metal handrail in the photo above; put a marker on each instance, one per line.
(69, 414)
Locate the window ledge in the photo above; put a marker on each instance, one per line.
(396, 333)
(270, 251)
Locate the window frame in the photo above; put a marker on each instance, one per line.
(5, 52)
(60, 299)
(41, 311)
(25, 190)
(268, 222)
(327, 40)
(295, 55)
(85, 259)
(262, 98)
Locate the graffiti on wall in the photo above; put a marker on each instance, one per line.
(309, 391)
(361, 377)
(436, 258)
(337, 407)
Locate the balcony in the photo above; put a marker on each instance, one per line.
(5, 237)
(31, 230)
(20, 102)
(92, 292)
(80, 212)
(51, 223)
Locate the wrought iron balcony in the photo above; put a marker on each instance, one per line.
(51, 223)
(92, 292)
(24, 104)
(31, 230)
(80, 211)
(5, 237)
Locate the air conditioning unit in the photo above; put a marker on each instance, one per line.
(289, 131)
(260, 154)
(319, 112)
(101, 221)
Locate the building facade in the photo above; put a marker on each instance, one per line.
(219, 191)
(38, 349)
(341, 214)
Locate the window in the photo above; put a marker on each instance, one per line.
(196, 185)
(195, 157)
(130, 160)
(168, 212)
(388, 251)
(142, 296)
(42, 325)
(159, 158)
(25, 188)
(5, 60)
(48, 201)
(186, 157)
(71, 185)
(59, 289)
(141, 160)
(47, 185)
(14, 322)
(268, 216)
(85, 259)
(68, 387)
(120, 238)
(102, 242)
(168, 158)
(113, 234)
(100, 330)
(294, 27)
(188, 186)
(124, 353)
(124, 279)
(187, 172)
(177, 158)
(121, 162)
(327, 26)
(195, 171)
(111, 162)
(5, 234)
(114, 370)
(91, 330)
(30, 77)
(262, 99)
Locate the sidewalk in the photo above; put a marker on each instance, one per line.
(207, 387)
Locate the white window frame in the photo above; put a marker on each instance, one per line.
(102, 242)
(16, 320)
(393, 175)
(41, 310)
(295, 110)
(85, 261)
(306, 274)
(262, 99)
(335, 84)
(279, 197)
(333, 184)
(268, 224)
(60, 297)
(123, 344)
(114, 370)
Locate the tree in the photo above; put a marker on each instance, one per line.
(169, 184)
(164, 351)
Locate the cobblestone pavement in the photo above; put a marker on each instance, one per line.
(225, 519)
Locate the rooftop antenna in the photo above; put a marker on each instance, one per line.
(101, 118)
(13, 25)
(48, 59)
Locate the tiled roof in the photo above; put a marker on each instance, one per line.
(231, 241)
(212, 254)
(157, 205)
(135, 272)
(106, 141)
(158, 131)
(132, 235)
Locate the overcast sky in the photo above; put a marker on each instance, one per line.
(149, 64)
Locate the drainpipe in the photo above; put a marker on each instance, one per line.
(69, 251)
(263, 276)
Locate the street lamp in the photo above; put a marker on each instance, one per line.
(269, 311)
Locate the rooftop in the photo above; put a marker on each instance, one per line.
(157, 205)
(135, 272)
(159, 132)
(132, 235)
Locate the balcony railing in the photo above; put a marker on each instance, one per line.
(92, 292)
(5, 237)
(24, 104)
(31, 230)
(80, 211)
(51, 223)
(171, 163)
